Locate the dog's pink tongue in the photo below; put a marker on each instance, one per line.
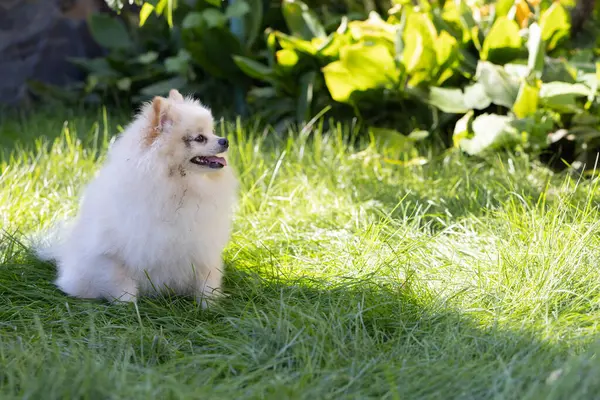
(216, 159)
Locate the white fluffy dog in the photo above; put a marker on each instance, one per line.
(158, 214)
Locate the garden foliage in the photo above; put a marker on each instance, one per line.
(505, 74)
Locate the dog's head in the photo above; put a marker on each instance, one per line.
(183, 131)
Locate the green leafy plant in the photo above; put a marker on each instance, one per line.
(485, 75)
(135, 67)
(166, 44)
(507, 70)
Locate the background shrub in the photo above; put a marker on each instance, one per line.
(483, 76)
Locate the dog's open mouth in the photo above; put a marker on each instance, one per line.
(209, 161)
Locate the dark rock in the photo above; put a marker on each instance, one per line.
(36, 39)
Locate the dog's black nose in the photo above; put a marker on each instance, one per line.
(224, 142)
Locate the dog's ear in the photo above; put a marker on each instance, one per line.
(159, 118)
(175, 96)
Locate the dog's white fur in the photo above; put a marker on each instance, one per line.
(152, 219)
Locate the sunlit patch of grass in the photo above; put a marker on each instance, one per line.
(347, 278)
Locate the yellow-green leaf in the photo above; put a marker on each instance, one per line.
(361, 67)
(527, 100)
(294, 43)
(503, 7)
(339, 81)
(372, 28)
(503, 42)
(145, 12)
(419, 55)
(374, 62)
(445, 47)
(555, 25)
(287, 58)
(446, 54)
(452, 18)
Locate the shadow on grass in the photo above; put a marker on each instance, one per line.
(21, 129)
(271, 337)
(448, 196)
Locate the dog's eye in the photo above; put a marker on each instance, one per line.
(200, 139)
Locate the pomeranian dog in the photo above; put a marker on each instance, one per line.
(158, 214)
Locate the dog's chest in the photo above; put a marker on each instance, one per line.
(186, 228)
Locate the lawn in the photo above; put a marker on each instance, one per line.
(347, 278)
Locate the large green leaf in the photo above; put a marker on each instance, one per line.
(455, 101)
(339, 81)
(361, 67)
(517, 71)
(450, 20)
(535, 47)
(490, 131)
(527, 100)
(503, 7)
(253, 69)
(448, 100)
(109, 32)
(446, 49)
(370, 61)
(419, 56)
(330, 48)
(562, 96)
(553, 89)
(503, 42)
(476, 97)
(555, 25)
(459, 17)
(301, 21)
(499, 85)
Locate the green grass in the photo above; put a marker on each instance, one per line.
(347, 279)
